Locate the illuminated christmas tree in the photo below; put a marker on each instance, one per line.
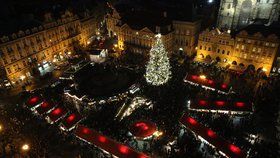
(158, 68)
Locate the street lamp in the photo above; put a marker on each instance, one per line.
(25, 147)
(202, 77)
(1, 128)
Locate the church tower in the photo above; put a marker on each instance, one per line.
(235, 14)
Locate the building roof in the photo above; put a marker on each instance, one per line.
(138, 20)
(107, 144)
(45, 107)
(211, 137)
(95, 52)
(139, 15)
(34, 101)
(220, 104)
(57, 113)
(143, 129)
(206, 82)
(71, 120)
(19, 15)
(259, 26)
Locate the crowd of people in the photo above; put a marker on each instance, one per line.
(169, 105)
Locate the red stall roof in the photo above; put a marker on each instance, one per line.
(45, 107)
(71, 120)
(107, 144)
(57, 113)
(34, 101)
(220, 104)
(209, 83)
(143, 129)
(210, 136)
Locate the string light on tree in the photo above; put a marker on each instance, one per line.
(158, 68)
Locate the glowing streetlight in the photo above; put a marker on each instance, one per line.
(115, 45)
(158, 134)
(264, 69)
(25, 147)
(202, 77)
(1, 128)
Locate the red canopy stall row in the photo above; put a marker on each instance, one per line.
(45, 108)
(53, 112)
(33, 102)
(57, 114)
(220, 105)
(230, 150)
(207, 83)
(107, 144)
(69, 122)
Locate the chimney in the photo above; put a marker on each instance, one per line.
(48, 17)
(165, 14)
(157, 29)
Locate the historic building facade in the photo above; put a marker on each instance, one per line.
(34, 50)
(176, 34)
(239, 13)
(240, 51)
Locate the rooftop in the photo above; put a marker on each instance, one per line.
(139, 15)
(264, 29)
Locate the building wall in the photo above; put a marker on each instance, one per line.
(111, 21)
(88, 29)
(244, 49)
(141, 41)
(185, 35)
(239, 13)
(26, 50)
(180, 35)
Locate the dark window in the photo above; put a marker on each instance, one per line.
(218, 50)
(9, 70)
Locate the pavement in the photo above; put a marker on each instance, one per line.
(35, 84)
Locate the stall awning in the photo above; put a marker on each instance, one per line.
(143, 129)
(107, 144)
(211, 137)
(206, 82)
(220, 104)
(71, 120)
(57, 114)
(45, 107)
(34, 101)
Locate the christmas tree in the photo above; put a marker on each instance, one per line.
(158, 68)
